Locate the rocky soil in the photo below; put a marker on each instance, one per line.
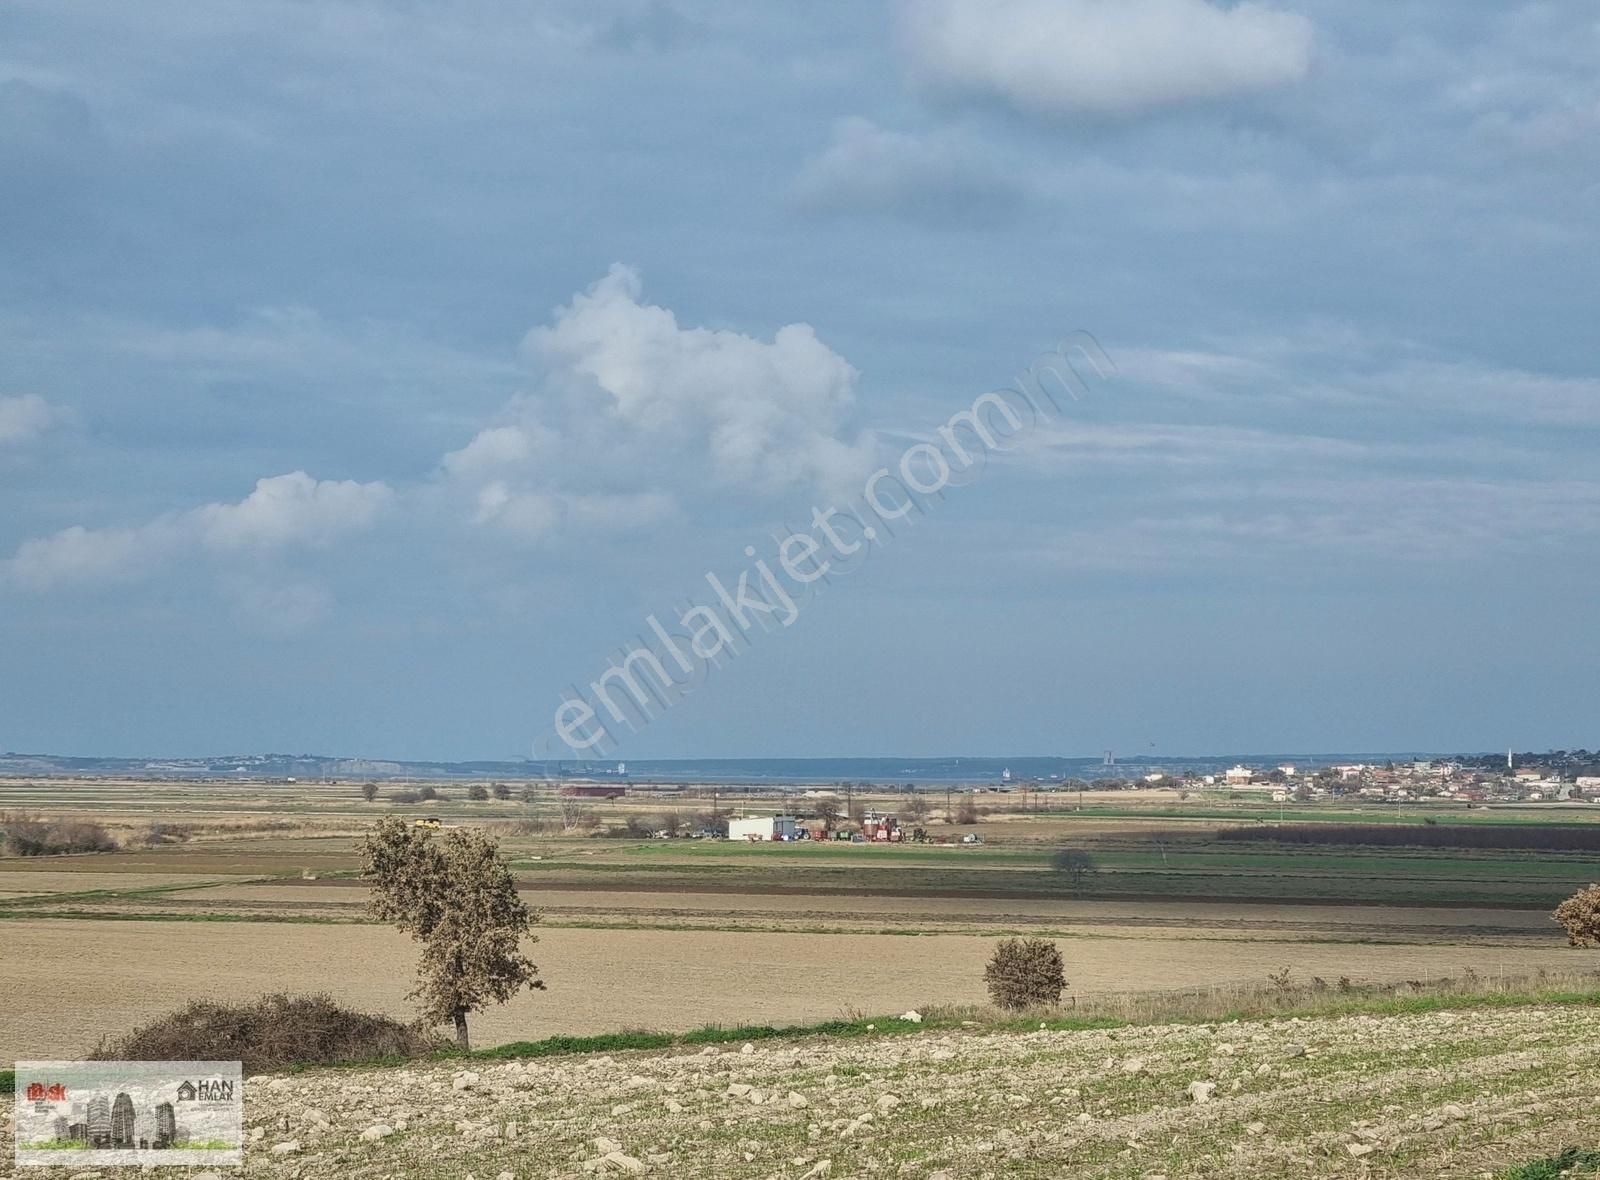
(1437, 1095)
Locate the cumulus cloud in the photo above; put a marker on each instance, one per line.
(636, 411)
(284, 510)
(868, 169)
(1063, 58)
(24, 418)
(768, 413)
(292, 509)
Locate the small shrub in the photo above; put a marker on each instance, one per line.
(1024, 973)
(405, 797)
(477, 792)
(269, 1033)
(1280, 979)
(500, 791)
(28, 835)
(1580, 914)
(429, 793)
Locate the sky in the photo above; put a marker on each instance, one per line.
(372, 373)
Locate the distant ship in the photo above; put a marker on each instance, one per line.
(1005, 775)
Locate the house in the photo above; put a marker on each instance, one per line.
(1240, 774)
(761, 828)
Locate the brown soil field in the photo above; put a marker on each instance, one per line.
(78, 882)
(72, 981)
(346, 899)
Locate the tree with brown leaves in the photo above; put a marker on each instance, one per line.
(1580, 914)
(455, 895)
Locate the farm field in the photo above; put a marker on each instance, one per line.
(612, 980)
(230, 890)
(1460, 1094)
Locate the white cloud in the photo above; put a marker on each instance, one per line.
(636, 412)
(492, 450)
(535, 515)
(24, 418)
(866, 168)
(78, 554)
(292, 509)
(1102, 57)
(767, 414)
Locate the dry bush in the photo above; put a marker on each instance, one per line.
(521, 827)
(28, 835)
(477, 792)
(235, 827)
(967, 812)
(1025, 973)
(159, 833)
(1580, 914)
(269, 1033)
(404, 797)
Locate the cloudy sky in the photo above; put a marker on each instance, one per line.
(369, 372)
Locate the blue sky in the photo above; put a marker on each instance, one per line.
(370, 372)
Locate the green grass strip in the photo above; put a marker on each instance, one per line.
(1574, 1161)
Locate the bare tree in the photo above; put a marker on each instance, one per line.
(500, 790)
(369, 791)
(828, 812)
(456, 896)
(574, 813)
(916, 808)
(1077, 864)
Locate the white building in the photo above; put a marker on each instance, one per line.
(1240, 774)
(763, 827)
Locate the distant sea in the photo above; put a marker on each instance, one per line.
(748, 771)
(937, 770)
